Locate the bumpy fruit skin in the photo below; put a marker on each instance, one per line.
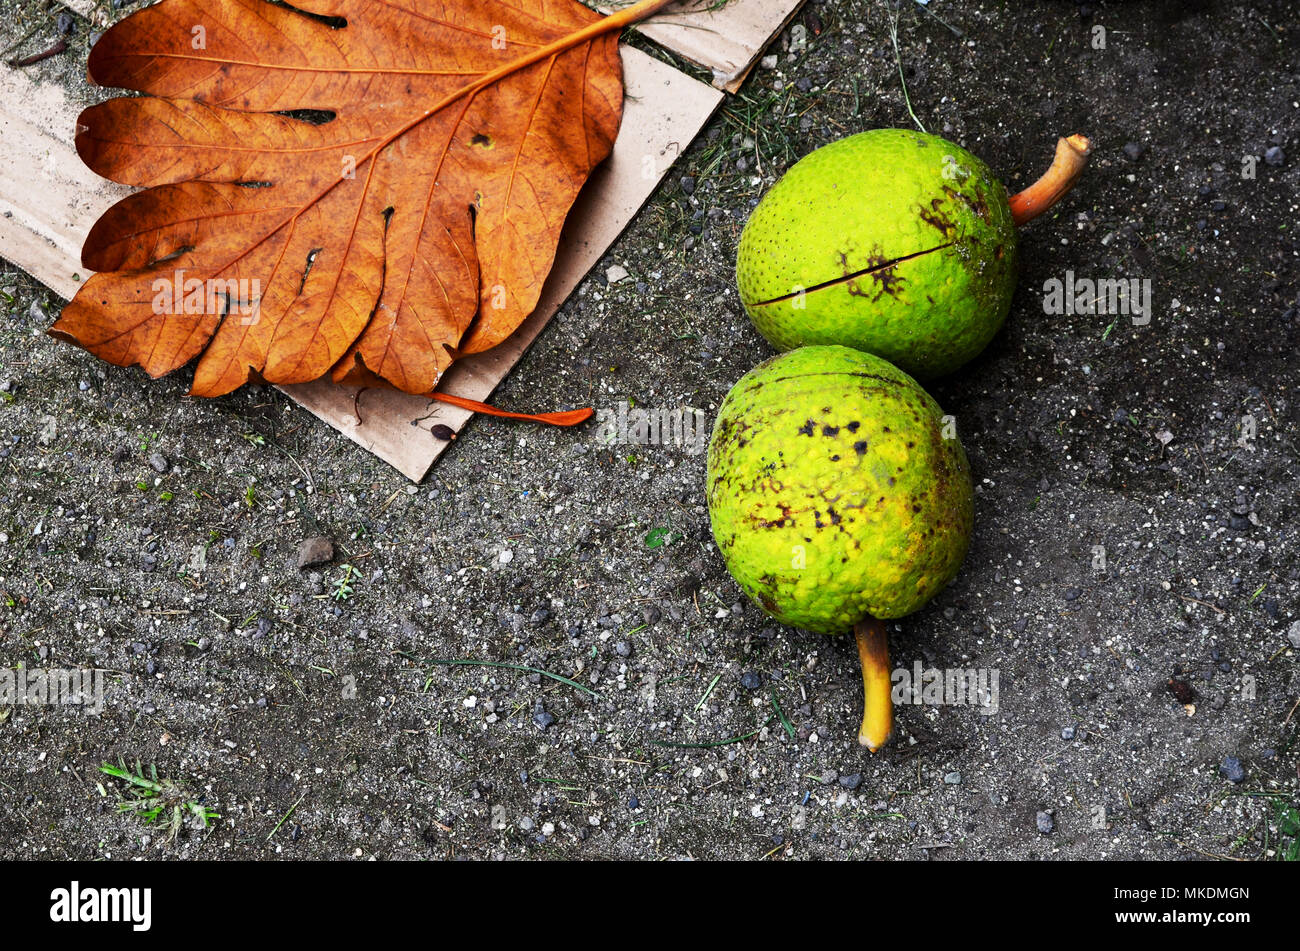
(832, 491)
(836, 219)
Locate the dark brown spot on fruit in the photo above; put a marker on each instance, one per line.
(978, 206)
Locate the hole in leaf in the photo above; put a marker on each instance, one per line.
(311, 259)
(184, 249)
(334, 23)
(310, 116)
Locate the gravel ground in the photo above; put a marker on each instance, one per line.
(157, 536)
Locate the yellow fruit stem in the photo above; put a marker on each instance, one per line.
(877, 710)
(1071, 159)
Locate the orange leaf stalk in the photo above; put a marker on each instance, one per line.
(1071, 159)
(566, 418)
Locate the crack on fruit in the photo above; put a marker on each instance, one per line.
(873, 269)
(862, 374)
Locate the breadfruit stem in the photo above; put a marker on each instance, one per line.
(877, 710)
(1071, 158)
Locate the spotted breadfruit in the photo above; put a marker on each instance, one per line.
(837, 490)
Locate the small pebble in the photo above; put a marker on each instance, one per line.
(851, 781)
(315, 551)
(1045, 822)
(1067, 733)
(750, 680)
(1274, 156)
(1232, 769)
(953, 778)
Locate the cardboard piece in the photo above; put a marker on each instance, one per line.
(49, 200)
(728, 40)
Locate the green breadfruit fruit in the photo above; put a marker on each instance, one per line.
(894, 242)
(838, 492)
